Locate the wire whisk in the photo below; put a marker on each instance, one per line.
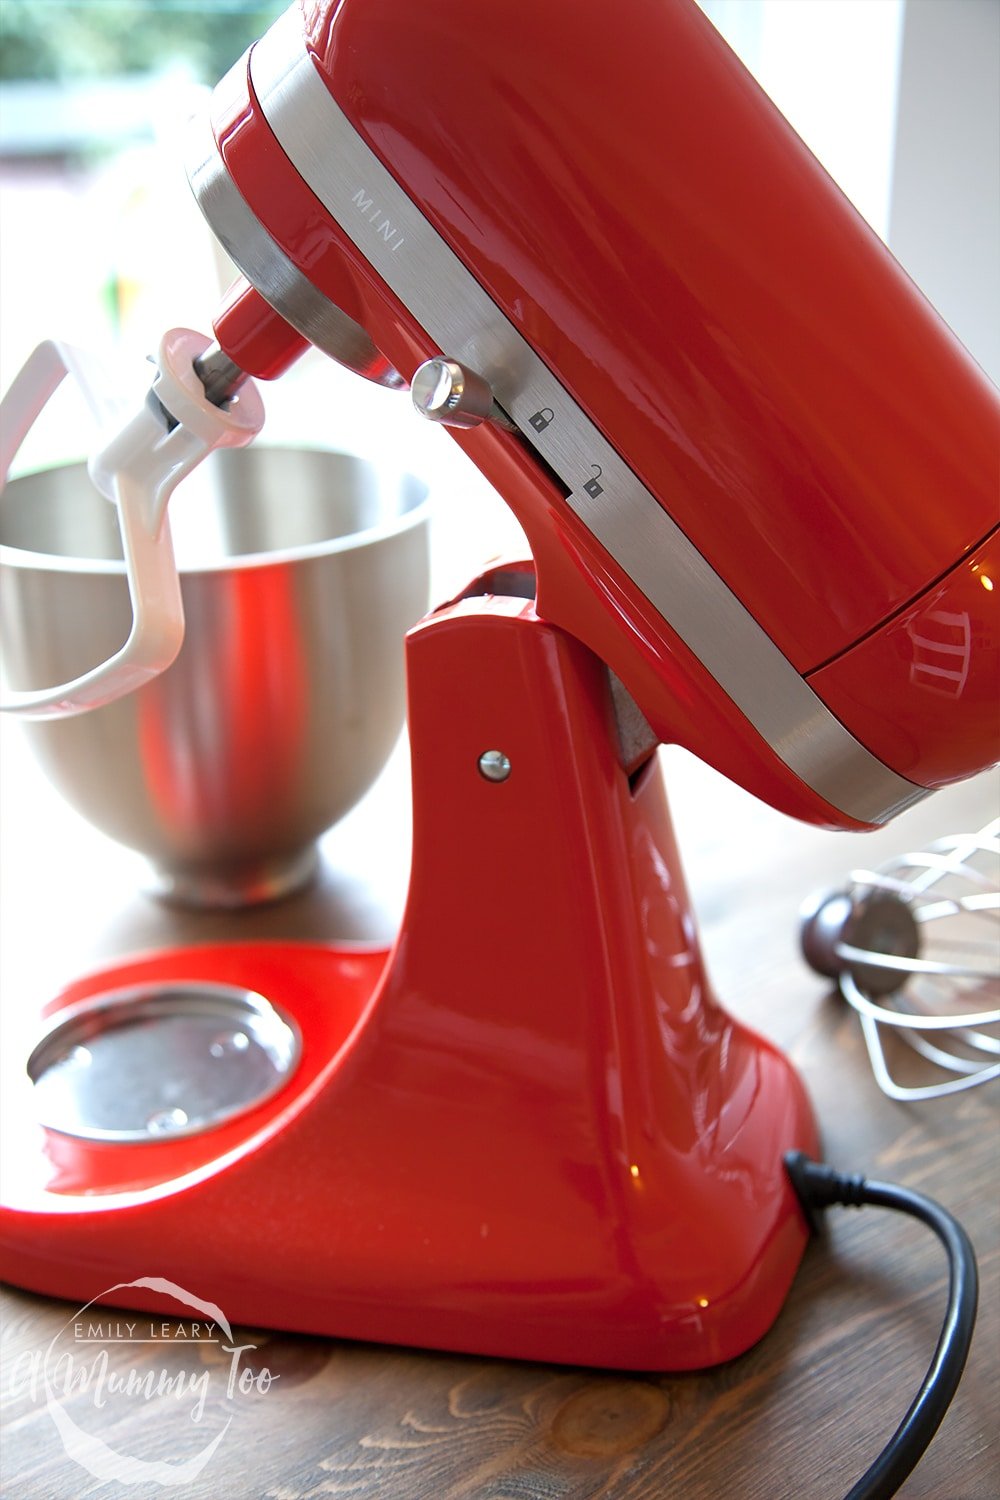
(915, 945)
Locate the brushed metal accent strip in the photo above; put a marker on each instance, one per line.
(266, 266)
(465, 323)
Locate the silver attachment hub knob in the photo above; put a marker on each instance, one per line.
(445, 391)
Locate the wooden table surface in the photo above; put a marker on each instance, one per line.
(800, 1415)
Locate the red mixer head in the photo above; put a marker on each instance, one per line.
(757, 472)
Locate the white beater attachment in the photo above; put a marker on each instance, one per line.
(150, 451)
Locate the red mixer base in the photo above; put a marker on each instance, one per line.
(529, 1131)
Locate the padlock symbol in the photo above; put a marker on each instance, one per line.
(592, 488)
(542, 418)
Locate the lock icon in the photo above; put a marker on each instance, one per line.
(592, 488)
(542, 418)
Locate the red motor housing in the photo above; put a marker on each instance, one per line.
(757, 471)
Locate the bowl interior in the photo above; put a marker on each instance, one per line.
(240, 503)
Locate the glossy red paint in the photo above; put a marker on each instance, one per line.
(531, 1131)
(679, 697)
(925, 686)
(677, 694)
(638, 208)
(300, 225)
(253, 335)
(756, 354)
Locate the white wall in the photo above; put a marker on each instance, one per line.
(900, 101)
(944, 222)
(831, 67)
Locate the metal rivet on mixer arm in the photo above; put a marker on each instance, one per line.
(494, 765)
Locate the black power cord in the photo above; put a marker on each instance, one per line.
(819, 1187)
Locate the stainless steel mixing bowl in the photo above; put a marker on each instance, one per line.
(301, 570)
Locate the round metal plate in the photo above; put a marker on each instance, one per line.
(154, 1061)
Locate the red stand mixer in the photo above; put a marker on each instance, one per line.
(757, 475)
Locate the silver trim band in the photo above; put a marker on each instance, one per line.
(266, 266)
(431, 281)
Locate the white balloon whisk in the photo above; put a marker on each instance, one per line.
(915, 946)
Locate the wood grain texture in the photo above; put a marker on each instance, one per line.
(800, 1415)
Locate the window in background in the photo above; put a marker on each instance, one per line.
(101, 243)
(900, 101)
(945, 219)
(832, 68)
(98, 230)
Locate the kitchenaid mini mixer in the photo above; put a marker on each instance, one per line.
(754, 469)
